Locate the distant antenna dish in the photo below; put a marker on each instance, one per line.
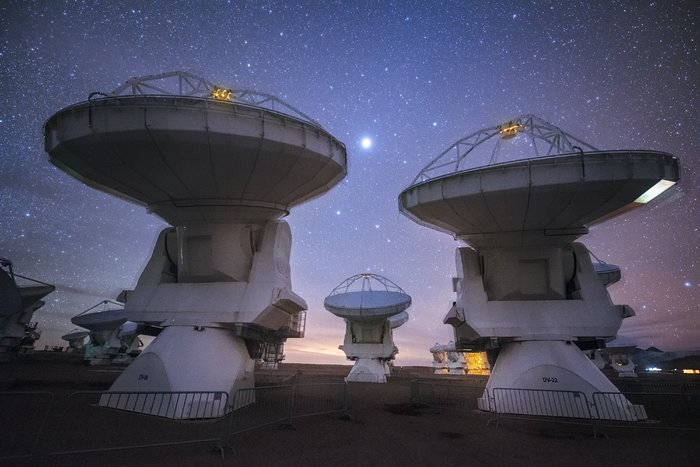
(75, 341)
(75, 335)
(607, 273)
(398, 320)
(10, 296)
(368, 302)
(367, 297)
(111, 316)
(129, 328)
(18, 302)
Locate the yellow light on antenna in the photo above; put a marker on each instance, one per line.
(509, 129)
(222, 94)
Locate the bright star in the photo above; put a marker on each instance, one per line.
(366, 143)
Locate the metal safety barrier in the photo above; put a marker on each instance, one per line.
(257, 407)
(446, 396)
(268, 405)
(540, 402)
(23, 419)
(616, 406)
(178, 405)
(676, 409)
(319, 399)
(666, 410)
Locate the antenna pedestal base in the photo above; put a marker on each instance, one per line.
(548, 378)
(169, 365)
(368, 370)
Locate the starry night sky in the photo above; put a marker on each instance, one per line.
(413, 76)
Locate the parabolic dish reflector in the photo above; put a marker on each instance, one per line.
(75, 335)
(100, 320)
(195, 159)
(607, 273)
(10, 296)
(380, 302)
(539, 200)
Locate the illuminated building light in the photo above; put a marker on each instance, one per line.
(477, 363)
(654, 191)
(653, 369)
(222, 94)
(689, 371)
(509, 129)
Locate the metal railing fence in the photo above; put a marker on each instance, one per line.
(615, 406)
(177, 405)
(446, 396)
(257, 407)
(267, 405)
(669, 408)
(539, 402)
(679, 410)
(319, 399)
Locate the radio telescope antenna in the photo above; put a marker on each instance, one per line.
(223, 166)
(75, 341)
(110, 339)
(368, 302)
(19, 299)
(525, 288)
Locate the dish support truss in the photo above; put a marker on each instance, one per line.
(544, 138)
(182, 83)
(366, 284)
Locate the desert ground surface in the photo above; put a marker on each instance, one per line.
(384, 428)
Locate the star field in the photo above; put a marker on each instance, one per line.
(411, 78)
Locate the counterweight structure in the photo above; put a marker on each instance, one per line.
(223, 167)
(524, 287)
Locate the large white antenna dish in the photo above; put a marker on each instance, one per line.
(524, 288)
(222, 166)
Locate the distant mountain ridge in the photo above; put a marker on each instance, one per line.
(653, 357)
